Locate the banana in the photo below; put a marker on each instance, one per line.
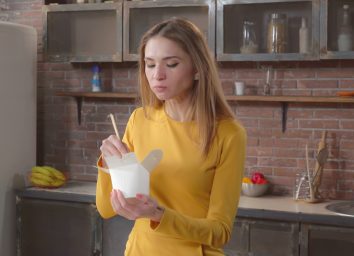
(57, 174)
(46, 176)
(57, 183)
(39, 182)
(39, 169)
(41, 176)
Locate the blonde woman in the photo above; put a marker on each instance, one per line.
(195, 189)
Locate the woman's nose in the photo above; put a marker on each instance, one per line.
(160, 73)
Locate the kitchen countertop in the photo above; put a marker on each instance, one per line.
(279, 208)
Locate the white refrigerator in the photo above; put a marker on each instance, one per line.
(18, 65)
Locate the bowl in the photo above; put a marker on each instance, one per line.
(254, 190)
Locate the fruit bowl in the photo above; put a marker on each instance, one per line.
(254, 190)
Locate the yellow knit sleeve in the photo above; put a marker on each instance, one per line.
(214, 230)
(103, 192)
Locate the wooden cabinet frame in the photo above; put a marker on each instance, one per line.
(129, 6)
(223, 56)
(115, 55)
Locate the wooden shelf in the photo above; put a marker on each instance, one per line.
(108, 95)
(292, 99)
(79, 96)
(284, 100)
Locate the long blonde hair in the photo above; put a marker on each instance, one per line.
(208, 103)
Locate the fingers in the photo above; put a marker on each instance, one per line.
(140, 207)
(146, 200)
(112, 146)
(118, 207)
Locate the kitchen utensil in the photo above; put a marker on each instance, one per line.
(114, 125)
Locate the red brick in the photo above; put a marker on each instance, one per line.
(250, 74)
(319, 124)
(287, 172)
(346, 84)
(346, 124)
(335, 73)
(317, 84)
(298, 74)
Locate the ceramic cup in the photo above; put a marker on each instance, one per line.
(239, 88)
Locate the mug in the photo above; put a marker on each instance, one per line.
(239, 88)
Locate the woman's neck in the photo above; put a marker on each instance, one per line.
(179, 110)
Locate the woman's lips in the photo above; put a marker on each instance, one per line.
(160, 88)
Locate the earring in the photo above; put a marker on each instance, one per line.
(196, 76)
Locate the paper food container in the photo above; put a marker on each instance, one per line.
(130, 176)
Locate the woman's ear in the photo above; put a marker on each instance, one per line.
(196, 76)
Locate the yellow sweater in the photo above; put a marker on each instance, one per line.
(200, 196)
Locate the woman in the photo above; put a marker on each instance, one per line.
(194, 190)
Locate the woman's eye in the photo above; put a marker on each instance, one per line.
(172, 65)
(150, 65)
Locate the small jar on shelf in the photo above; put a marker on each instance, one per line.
(249, 40)
(276, 38)
(345, 35)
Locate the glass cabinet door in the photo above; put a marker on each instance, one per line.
(337, 34)
(250, 30)
(200, 12)
(83, 32)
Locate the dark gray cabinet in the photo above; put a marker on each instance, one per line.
(320, 240)
(261, 238)
(72, 228)
(56, 228)
(258, 237)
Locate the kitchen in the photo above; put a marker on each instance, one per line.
(72, 124)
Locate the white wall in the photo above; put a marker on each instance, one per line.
(18, 57)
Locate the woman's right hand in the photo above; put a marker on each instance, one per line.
(112, 146)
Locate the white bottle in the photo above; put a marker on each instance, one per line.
(345, 38)
(304, 37)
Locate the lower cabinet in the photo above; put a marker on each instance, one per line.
(255, 237)
(319, 240)
(56, 228)
(263, 238)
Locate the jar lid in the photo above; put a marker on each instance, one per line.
(278, 16)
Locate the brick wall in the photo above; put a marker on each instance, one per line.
(72, 147)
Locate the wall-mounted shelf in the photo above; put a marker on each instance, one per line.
(79, 96)
(284, 100)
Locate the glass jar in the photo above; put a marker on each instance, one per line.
(276, 38)
(249, 41)
(345, 35)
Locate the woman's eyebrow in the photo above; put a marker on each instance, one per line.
(165, 58)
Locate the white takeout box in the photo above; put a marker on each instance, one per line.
(130, 176)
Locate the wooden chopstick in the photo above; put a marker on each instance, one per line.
(114, 125)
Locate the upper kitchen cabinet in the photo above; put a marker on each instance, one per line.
(83, 32)
(139, 16)
(268, 30)
(337, 29)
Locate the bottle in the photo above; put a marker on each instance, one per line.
(304, 36)
(345, 40)
(249, 41)
(95, 81)
(276, 37)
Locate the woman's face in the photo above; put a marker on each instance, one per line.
(168, 69)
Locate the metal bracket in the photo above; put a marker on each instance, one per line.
(284, 115)
(79, 107)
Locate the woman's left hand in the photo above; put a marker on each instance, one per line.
(142, 207)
